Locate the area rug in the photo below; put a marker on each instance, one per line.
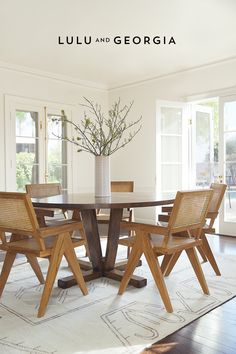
(104, 322)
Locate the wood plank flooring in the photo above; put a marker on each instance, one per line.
(213, 333)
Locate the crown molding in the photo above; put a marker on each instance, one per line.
(200, 96)
(171, 74)
(102, 87)
(52, 76)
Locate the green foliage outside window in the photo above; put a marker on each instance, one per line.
(24, 168)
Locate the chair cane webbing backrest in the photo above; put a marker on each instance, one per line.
(122, 186)
(218, 194)
(17, 216)
(189, 210)
(43, 190)
(17, 213)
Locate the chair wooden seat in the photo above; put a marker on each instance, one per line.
(174, 243)
(30, 246)
(17, 216)
(188, 215)
(157, 241)
(127, 241)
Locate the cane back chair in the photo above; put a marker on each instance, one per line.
(45, 216)
(205, 249)
(118, 187)
(43, 190)
(188, 214)
(17, 216)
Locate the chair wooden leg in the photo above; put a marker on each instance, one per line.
(157, 273)
(6, 268)
(200, 250)
(192, 255)
(174, 258)
(54, 264)
(165, 262)
(74, 265)
(208, 252)
(131, 233)
(87, 252)
(134, 257)
(128, 251)
(36, 268)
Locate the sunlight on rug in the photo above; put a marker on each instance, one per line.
(104, 322)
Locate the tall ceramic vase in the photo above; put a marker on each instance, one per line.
(102, 176)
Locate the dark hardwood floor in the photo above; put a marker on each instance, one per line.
(213, 333)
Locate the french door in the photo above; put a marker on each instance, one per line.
(185, 147)
(34, 154)
(201, 151)
(172, 147)
(227, 162)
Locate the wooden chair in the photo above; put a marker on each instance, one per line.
(128, 215)
(205, 250)
(17, 216)
(188, 214)
(45, 216)
(43, 190)
(121, 187)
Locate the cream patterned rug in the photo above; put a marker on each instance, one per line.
(103, 322)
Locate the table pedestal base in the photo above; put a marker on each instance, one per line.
(115, 274)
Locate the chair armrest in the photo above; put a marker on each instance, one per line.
(167, 209)
(163, 217)
(152, 229)
(66, 226)
(40, 212)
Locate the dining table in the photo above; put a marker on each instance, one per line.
(87, 205)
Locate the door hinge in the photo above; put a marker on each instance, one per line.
(41, 125)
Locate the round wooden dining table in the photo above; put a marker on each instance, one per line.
(87, 204)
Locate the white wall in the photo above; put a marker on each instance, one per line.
(138, 160)
(50, 90)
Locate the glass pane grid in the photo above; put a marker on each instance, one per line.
(57, 151)
(27, 156)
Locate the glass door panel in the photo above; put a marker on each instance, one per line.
(172, 130)
(202, 154)
(56, 152)
(228, 164)
(27, 143)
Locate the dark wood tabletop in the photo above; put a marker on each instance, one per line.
(89, 201)
(87, 204)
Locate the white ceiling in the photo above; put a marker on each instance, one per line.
(204, 30)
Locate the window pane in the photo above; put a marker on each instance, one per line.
(230, 115)
(57, 174)
(171, 120)
(26, 124)
(27, 169)
(55, 127)
(171, 177)
(230, 198)
(204, 167)
(230, 146)
(171, 149)
(57, 151)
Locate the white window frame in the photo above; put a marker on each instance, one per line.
(14, 103)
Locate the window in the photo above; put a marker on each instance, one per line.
(34, 153)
